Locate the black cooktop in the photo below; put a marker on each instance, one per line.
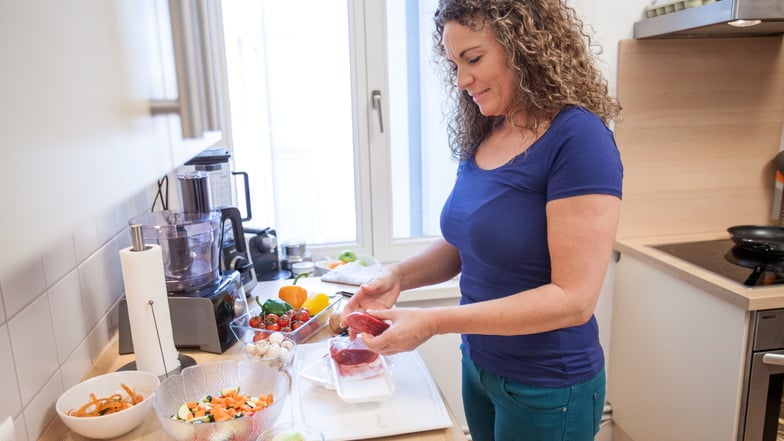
(723, 257)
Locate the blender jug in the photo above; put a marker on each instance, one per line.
(190, 243)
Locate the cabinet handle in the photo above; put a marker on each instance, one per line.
(196, 101)
(376, 97)
(774, 359)
(210, 29)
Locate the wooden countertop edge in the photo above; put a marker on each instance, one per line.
(746, 298)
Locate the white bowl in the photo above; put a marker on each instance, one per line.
(115, 424)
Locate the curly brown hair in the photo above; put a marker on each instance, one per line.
(545, 45)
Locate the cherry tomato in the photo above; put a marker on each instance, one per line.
(302, 315)
(271, 319)
(259, 336)
(273, 327)
(256, 322)
(284, 321)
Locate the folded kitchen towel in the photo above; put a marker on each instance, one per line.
(352, 273)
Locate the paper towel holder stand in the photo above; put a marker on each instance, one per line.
(184, 360)
(137, 240)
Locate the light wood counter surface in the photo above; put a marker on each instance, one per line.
(151, 430)
(749, 299)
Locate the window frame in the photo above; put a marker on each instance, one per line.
(372, 166)
(383, 244)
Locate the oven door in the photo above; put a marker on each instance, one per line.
(764, 408)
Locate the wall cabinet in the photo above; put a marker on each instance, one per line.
(78, 137)
(677, 358)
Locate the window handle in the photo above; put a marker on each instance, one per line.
(376, 97)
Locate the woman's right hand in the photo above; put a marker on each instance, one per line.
(380, 292)
(438, 262)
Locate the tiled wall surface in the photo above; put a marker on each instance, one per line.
(57, 315)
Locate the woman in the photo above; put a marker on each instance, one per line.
(529, 225)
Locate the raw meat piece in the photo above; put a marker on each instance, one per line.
(364, 322)
(350, 352)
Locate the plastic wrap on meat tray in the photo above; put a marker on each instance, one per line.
(359, 374)
(347, 352)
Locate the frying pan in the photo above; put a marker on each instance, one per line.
(761, 238)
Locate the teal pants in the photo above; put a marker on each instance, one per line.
(500, 410)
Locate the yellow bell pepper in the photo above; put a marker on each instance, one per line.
(316, 303)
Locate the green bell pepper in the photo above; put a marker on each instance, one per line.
(274, 306)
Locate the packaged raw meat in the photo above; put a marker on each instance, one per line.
(358, 373)
(347, 352)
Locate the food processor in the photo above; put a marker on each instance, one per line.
(190, 246)
(203, 299)
(195, 189)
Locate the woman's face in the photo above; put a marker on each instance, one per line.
(481, 67)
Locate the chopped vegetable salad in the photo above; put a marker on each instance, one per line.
(229, 405)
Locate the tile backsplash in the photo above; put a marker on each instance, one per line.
(57, 314)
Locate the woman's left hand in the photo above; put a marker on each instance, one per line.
(410, 327)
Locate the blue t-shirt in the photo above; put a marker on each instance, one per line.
(496, 219)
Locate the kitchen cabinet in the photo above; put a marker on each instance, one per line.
(677, 357)
(78, 133)
(442, 354)
(701, 122)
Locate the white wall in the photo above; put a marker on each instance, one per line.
(58, 314)
(612, 21)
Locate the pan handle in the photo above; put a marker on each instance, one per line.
(754, 245)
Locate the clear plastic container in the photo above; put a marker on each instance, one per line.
(246, 333)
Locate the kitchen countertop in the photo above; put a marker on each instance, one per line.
(749, 299)
(151, 429)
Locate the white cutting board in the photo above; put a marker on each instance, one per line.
(415, 406)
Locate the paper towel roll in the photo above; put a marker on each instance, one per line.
(151, 328)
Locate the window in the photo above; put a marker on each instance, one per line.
(336, 117)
